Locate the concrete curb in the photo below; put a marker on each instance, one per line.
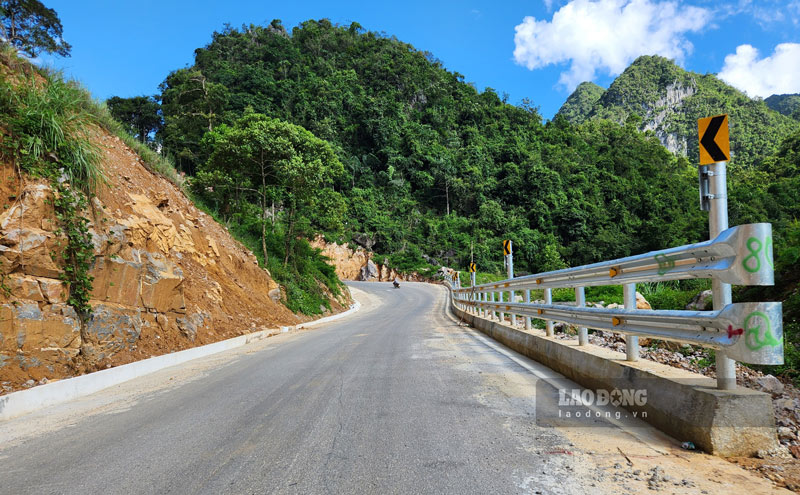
(684, 405)
(26, 401)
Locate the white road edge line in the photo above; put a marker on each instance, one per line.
(558, 382)
(26, 401)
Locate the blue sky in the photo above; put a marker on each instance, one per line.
(538, 49)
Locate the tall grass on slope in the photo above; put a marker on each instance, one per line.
(46, 130)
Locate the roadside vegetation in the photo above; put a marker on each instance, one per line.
(431, 166)
(334, 130)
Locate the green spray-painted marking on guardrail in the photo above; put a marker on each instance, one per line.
(665, 263)
(768, 252)
(752, 262)
(752, 335)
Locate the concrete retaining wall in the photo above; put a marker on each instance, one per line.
(684, 405)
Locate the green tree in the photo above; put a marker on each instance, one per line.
(32, 28)
(191, 105)
(140, 114)
(273, 160)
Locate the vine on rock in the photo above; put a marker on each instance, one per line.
(78, 254)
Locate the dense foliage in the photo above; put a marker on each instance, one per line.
(580, 103)
(140, 114)
(431, 164)
(785, 104)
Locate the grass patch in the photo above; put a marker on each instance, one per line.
(45, 134)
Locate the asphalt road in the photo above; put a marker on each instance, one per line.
(398, 398)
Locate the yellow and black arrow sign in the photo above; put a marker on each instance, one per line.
(507, 247)
(473, 267)
(715, 143)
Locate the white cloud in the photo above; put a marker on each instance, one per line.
(775, 74)
(606, 35)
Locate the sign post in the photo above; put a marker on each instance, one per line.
(472, 268)
(509, 252)
(715, 152)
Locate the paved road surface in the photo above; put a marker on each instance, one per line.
(398, 398)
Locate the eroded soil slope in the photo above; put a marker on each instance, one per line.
(167, 276)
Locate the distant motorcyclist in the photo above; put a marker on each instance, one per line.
(396, 284)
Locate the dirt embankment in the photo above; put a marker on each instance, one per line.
(166, 276)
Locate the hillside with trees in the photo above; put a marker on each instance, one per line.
(785, 104)
(665, 99)
(430, 164)
(420, 167)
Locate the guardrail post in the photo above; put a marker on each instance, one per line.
(501, 316)
(472, 283)
(631, 341)
(717, 222)
(527, 318)
(492, 313)
(580, 300)
(510, 268)
(548, 299)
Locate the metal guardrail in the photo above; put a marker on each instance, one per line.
(733, 257)
(742, 255)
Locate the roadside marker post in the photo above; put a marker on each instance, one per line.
(509, 252)
(528, 325)
(548, 299)
(580, 299)
(714, 153)
(472, 268)
(631, 341)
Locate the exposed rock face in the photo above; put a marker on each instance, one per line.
(357, 264)
(166, 276)
(348, 262)
(658, 114)
(369, 272)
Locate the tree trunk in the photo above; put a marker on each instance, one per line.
(264, 228)
(289, 235)
(264, 211)
(447, 195)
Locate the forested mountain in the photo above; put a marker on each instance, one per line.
(430, 163)
(666, 99)
(785, 104)
(581, 101)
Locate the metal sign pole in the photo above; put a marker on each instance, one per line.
(510, 268)
(472, 283)
(717, 222)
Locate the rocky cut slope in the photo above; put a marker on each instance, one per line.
(166, 275)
